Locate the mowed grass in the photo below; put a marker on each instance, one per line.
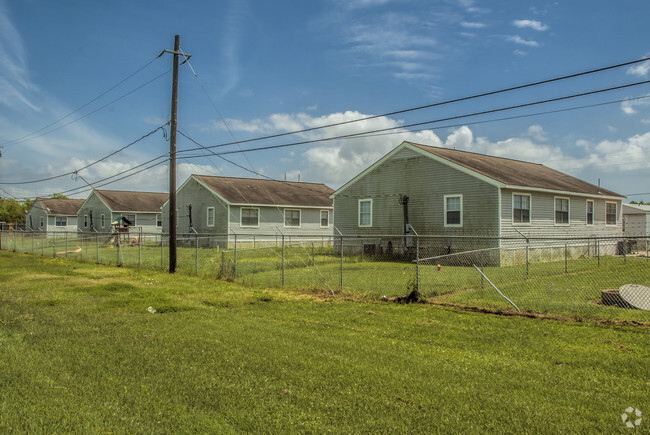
(80, 353)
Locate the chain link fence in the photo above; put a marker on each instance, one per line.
(602, 278)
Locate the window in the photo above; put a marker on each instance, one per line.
(85, 221)
(520, 209)
(365, 212)
(159, 220)
(60, 221)
(590, 212)
(210, 217)
(250, 217)
(453, 210)
(324, 218)
(102, 220)
(292, 218)
(610, 213)
(42, 221)
(131, 218)
(562, 211)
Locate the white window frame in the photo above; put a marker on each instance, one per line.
(85, 221)
(364, 200)
(444, 201)
(56, 219)
(321, 218)
(593, 210)
(159, 220)
(568, 211)
(615, 214)
(299, 217)
(241, 217)
(530, 208)
(207, 217)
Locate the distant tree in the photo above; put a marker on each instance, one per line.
(28, 204)
(58, 196)
(11, 210)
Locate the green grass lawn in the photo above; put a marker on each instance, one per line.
(80, 353)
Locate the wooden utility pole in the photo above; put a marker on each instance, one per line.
(172, 161)
(172, 152)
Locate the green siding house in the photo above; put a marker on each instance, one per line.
(251, 209)
(463, 196)
(141, 209)
(53, 215)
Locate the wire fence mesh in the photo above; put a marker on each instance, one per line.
(601, 278)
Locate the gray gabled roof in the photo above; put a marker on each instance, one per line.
(118, 200)
(517, 173)
(268, 192)
(636, 208)
(60, 206)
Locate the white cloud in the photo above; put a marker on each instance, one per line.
(473, 25)
(537, 133)
(519, 40)
(520, 53)
(461, 138)
(530, 24)
(640, 69)
(629, 107)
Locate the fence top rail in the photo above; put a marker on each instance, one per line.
(227, 251)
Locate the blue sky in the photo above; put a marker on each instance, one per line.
(264, 68)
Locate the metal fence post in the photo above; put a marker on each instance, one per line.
(341, 281)
(235, 268)
(417, 263)
(140, 249)
(196, 256)
(282, 260)
(624, 251)
(22, 235)
(162, 254)
(66, 244)
(527, 246)
(54, 245)
(598, 251)
(43, 245)
(32, 242)
(313, 259)
(14, 240)
(565, 259)
(223, 264)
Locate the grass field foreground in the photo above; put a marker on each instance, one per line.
(81, 352)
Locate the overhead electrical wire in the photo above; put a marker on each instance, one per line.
(483, 112)
(28, 136)
(76, 171)
(442, 103)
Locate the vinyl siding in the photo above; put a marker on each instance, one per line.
(426, 182)
(98, 208)
(542, 215)
(201, 198)
(271, 222)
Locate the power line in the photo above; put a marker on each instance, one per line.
(484, 112)
(90, 164)
(428, 106)
(20, 139)
(94, 111)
